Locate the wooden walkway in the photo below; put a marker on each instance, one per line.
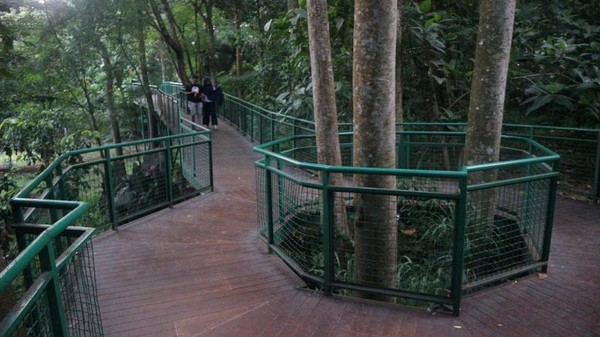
(199, 270)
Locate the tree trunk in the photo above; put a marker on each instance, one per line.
(145, 81)
(170, 36)
(238, 49)
(325, 112)
(374, 98)
(486, 106)
(110, 96)
(399, 113)
(118, 165)
(196, 67)
(212, 40)
(488, 87)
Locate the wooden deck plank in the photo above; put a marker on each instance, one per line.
(199, 270)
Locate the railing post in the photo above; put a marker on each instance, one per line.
(269, 202)
(261, 139)
(53, 293)
(51, 196)
(596, 183)
(295, 133)
(210, 163)
(458, 254)
(169, 171)
(404, 151)
(109, 188)
(549, 217)
(328, 232)
(22, 244)
(272, 129)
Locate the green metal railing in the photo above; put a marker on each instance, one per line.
(579, 148)
(52, 280)
(508, 234)
(453, 237)
(503, 239)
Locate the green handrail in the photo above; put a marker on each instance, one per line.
(45, 283)
(275, 158)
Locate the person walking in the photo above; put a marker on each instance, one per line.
(194, 95)
(209, 111)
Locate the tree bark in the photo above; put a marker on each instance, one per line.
(170, 36)
(325, 112)
(399, 112)
(145, 81)
(207, 17)
(486, 106)
(238, 49)
(374, 68)
(488, 87)
(110, 95)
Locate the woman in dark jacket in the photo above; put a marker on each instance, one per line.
(209, 110)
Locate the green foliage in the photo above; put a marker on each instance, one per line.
(437, 50)
(289, 35)
(425, 243)
(41, 135)
(8, 187)
(283, 71)
(95, 217)
(555, 62)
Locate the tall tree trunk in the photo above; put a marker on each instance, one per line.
(118, 166)
(145, 81)
(325, 112)
(486, 106)
(207, 16)
(399, 113)
(169, 35)
(238, 49)
(110, 96)
(195, 62)
(374, 98)
(488, 88)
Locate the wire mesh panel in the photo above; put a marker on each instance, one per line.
(80, 298)
(504, 232)
(262, 206)
(299, 228)
(409, 239)
(507, 221)
(405, 235)
(50, 299)
(37, 322)
(87, 183)
(125, 181)
(194, 159)
(579, 152)
(427, 151)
